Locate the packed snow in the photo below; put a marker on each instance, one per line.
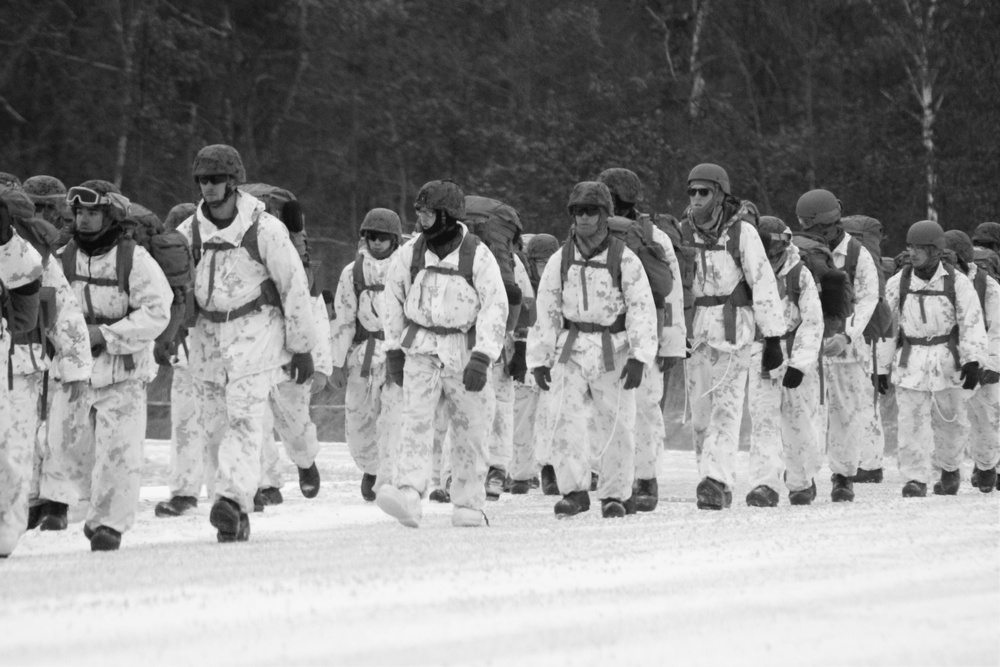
(334, 581)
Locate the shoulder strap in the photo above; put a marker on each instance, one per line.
(358, 274)
(467, 257)
(615, 251)
(733, 244)
(566, 259)
(249, 241)
(195, 240)
(123, 264)
(949, 287)
(979, 282)
(904, 285)
(793, 283)
(851, 262)
(69, 261)
(417, 260)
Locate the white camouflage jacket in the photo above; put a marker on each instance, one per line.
(722, 277)
(262, 340)
(807, 316)
(68, 334)
(600, 302)
(144, 313)
(366, 307)
(442, 300)
(673, 337)
(932, 367)
(865, 299)
(991, 313)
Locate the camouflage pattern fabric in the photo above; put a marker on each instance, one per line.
(613, 410)
(847, 420)
(289, 402)
(866, 291)
(873, 440)
(372, 419)
(65, 475)
(188, 454)
(366, 307)
(523, 464)
(673, 336)
(18, 439)
(984, 422)
(650, 431)
(933, 429)
(717, 383)
(270, 458)
(426, 380)
(441, 452)
(500, 443)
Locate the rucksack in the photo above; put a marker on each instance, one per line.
(497, 225)
(685, 255)
(867, 233)
(283, 205)
(836, 293)
(638, 237)
(43, 237)
(987, 261)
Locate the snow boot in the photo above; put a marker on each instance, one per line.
(309, 481)
(572, 503)
(519, 487)
(914, 489)
(466, 517)
(368, 487)
(843, 489)
(55, 516)
(949, 483)
(594, 481)
(258, 502)
(645, 495)
(495, 479)
(863, 476)
(612, 508)
(271, 495)
(35, 514)
(803, 496)
(402, 504)
(987, 479)
(535, 482)
(442, 495)
(549, 485)
(105, 539)
(713, 495)
(232, 524)
(762, 496)
(176, 506)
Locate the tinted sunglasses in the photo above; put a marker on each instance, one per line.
(45, 206)
(79, 196)
(586, 210)
(214, 179)
(379, 236)
(700, 192)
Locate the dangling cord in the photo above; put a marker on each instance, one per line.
(723, 378)
(614, 424)
(946, 420)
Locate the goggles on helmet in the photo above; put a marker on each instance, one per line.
(79, 196)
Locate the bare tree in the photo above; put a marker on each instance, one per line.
(700, 9)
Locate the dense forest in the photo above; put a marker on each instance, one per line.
(894, 105)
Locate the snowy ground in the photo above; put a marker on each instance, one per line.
(882, 581)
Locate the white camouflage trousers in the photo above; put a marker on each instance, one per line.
(984, 421)
(108, 427)
(523, 465)
(611, 440)
(784, 439)
(189, 461)
(373, 420)
(18, 429)
(501, 438)
(717, 385)
(933, 430)
(649, 428)
(270, 457)
(40, 463)
(849, 417)
(425, 382)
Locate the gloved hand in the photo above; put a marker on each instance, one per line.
(542, 376)
(301, 367)
(97, 346)
(793, 378)
(394, 361)
(163, 351)
(338, 378)
(835, 345)
(970, 375)
(476, 372)
(880, 381)
(989, 377)
(773, 356)
(517, 368)
(632, 373)
(6, 224)
(666, 363)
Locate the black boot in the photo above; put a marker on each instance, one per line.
(573, 503)
(233, 525)
(987, 479)
(594, 480)
(519, 487)
(762, 496)
(949, 483)
(35, 514)
(803, 496)
(55, 516)
(309, 481)
(549, 485)
(258, 502)
(914, 489)
(713, 495)
(442, 495)
(368, 487)
(612, 508)
(843, 489)
(873, 476)
(176, 506)
(645, 495)
(271, 495)
(105, 539)
(494, 482)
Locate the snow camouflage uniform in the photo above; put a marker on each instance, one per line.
(20, 266)
(372, 407)
(109, 422)
(721, 342)
(236, 362)
(522, 464)
(784, 438)
(933, 422)
(586, 331)
(440, 298)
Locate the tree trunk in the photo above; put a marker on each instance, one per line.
(700, 8)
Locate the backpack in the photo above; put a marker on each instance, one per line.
(685, 255)
(836, 292)
(497, 225)
(43, 237)
(638, 237)
(867, 233)
(987, 261)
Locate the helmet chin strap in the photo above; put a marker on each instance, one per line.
(230, 191)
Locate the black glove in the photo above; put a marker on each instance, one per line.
(514, 295)
(772, 356)
(989, 377)
(632, 373)
(6, 226)
(542, 377)
(970, 375)
(793, 378)
(301, 367)
(517, 368)
(394, 362)
(880, 381)
(666, 363)
(163, 351)
(476, 372)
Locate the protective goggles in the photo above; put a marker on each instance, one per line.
(79, 196)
